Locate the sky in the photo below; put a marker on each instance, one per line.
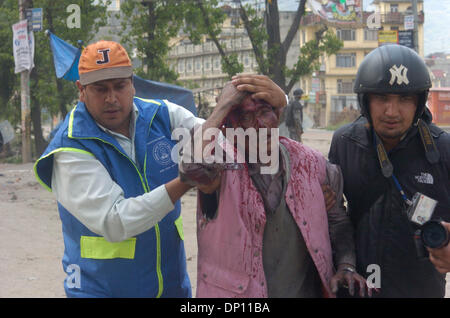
(436, 28)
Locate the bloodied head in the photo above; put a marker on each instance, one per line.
(256, 119)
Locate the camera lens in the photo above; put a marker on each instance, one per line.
(434, 234)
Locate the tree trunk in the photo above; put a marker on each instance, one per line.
(39, 142)
(61, 101)
(276, 52)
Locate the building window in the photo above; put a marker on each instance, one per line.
(198, 65)
(346, 35)
(370, 35)
(345, 86)
(237, 42)
(253, 60)
(303, 37)
(180, 66)
(394, 7)
(235, 21)
(189, 65)
(216, 65)
(346, 60)
(394, 28)
(246, 61)
(207, 62)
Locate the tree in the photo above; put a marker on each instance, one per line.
(148, 26)
(9, 97)
(206, 18)
(48, 94)
(269, 49)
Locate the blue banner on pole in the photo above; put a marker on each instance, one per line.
(65, 58)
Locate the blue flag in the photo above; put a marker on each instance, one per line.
(173, 93)
(65, 58)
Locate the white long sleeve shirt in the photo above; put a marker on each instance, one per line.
(84, 187)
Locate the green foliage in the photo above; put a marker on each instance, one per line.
(9, 15)
(55, 19)
(310, 53)
(232, 66)
(255, 26)
(43, 83)
(148, 27)
(203, 18)
(269, 49)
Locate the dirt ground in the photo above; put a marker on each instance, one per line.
(31, 245)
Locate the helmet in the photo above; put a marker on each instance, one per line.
(392, 69)
(298, 92)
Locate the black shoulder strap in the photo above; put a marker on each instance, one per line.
(431, 152)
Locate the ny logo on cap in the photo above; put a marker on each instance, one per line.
(398, 73)
(105, 53)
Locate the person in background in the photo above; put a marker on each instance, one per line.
(294, 116)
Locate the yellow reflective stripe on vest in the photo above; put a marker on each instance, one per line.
(98, 248)
(148, 100)
(179, 225)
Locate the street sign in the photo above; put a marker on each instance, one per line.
(409, 22)
(34, 17)
(21, 47)
(406, 38)
(387, 37)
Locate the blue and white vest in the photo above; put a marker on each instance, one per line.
(152, 264)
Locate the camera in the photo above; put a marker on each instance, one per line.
(430, 233)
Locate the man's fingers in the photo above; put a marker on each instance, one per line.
(262, 95)
(252, 79)
(350, 283)
(251, 88)
(362, 286)
(334, 285)
(253, 83)
(446, 225)
(437, 262)
(442, 270)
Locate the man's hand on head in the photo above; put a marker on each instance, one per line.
(230, 96)
(261, 87)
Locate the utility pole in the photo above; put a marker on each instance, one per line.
(416, 28)
(25, 99)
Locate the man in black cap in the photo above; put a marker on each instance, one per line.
(294, 116)
(387, 155)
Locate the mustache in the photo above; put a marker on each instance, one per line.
(112, 107)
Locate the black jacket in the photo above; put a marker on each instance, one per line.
(384, 236)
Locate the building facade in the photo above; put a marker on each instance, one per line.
(330, 89)
(200, 66)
